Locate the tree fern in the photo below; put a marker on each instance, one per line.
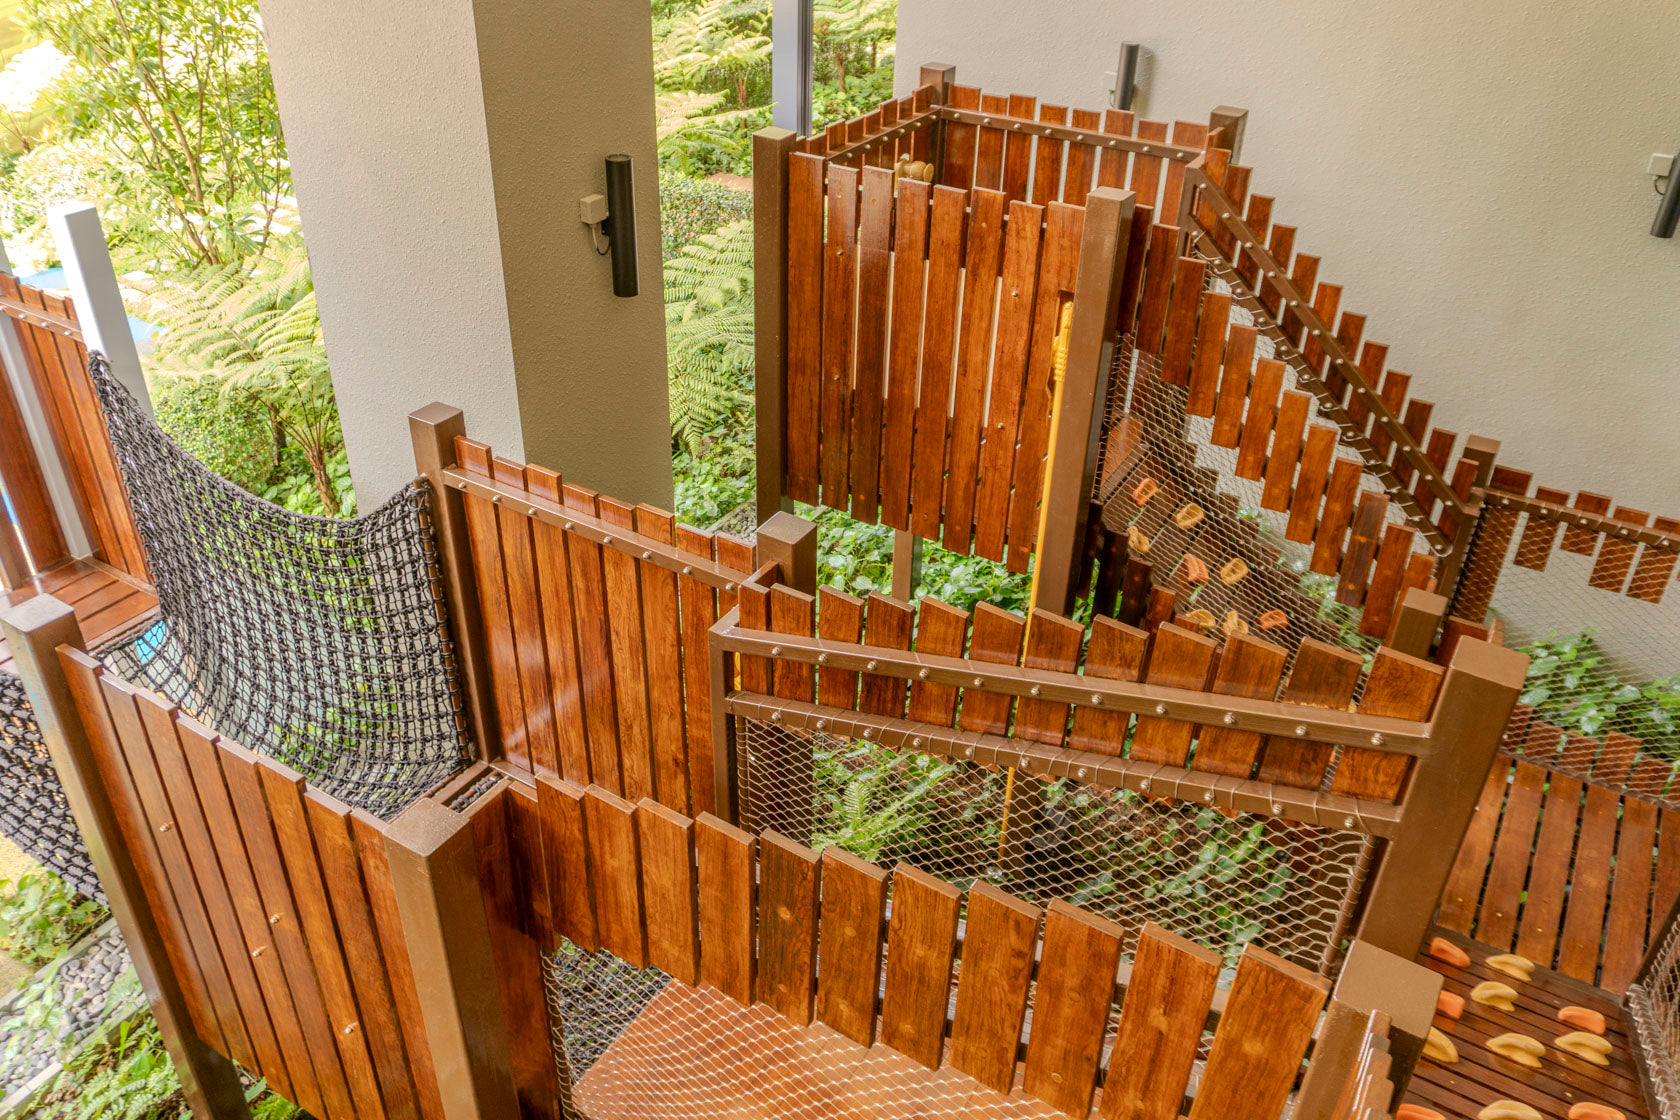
(709, 331)
(259, 331)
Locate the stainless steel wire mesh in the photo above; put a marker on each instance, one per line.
(1652, 1012)
(1223, 881)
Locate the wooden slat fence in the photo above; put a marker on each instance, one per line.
(595, 615)
(921, 338)
(844, 973)
(57, 361)
(277, 905)
(1215, 723)
(1573, 856)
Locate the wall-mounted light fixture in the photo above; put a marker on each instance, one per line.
(1126, 79)
(612, 220)
(1668, 210)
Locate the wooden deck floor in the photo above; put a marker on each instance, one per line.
(106, 601)
(1480, 1077)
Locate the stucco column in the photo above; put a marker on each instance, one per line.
(439, 148)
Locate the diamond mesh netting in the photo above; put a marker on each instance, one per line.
(1652, 1012)
(33, 813)
(1223, 881)
(314, 640)
(1605, 659)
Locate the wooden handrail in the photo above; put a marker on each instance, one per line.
(1578, 518)
(1226, 212)
(1029, 127)
(37, 318)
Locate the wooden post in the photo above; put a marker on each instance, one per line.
(92, 281)
(1481, 688)
(1374, 980)
(1451, 581)
(68, 535)
(433, 430)
(906, 565)
(434, 874)
(941, 76)
(35, 631)
(1069, 474)
(790, 542)
(721, 680)
(1416, 621)
(771, 148)
(1235, 122)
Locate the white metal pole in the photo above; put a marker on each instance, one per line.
(40, 432)
(791, 32)
(92, 281)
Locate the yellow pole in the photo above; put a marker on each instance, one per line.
(1058, 375)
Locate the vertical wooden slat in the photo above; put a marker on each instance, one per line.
(910, 249)
(699, 612)
(1309, 487)
(1542, 910)
(629, 656)
(1179, 659)
(997, 967)
(854, 899)
(566, 857)
(1188, 273)
(525, 611)
(661, 624)
(944, 280)
(988, 152)
(957, 162)
(839, 304)
(792, 612)
(1583, 921)
(615, 876)
(1071, 1006)
(942, 630)
(1270, 999)
(554, 579)
(996, 637)
(1339, 496)
(1387, 579)
(840, 619)
(887, 626)
(1398, 686)
(1210, 353)
(980, 278)
(804, 326)
(1250, 668)
(868, 388)
(1052, 643)
(1018, 147)
(921, 943)
(788, 876)
(485, 535)
(725, 858)
(1048, 158)
(1016, 302)
(1116, 653)
(1286, 451)
(1233, 387)
(1630, 897)
(594, 645)
(1160, 1030)
(1323, 676)
(1464, 885)
(364, 956)
(1257, 425)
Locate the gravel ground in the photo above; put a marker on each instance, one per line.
(82, 985)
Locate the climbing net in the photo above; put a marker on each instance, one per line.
(314, 640)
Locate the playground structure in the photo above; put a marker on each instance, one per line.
(732, 842)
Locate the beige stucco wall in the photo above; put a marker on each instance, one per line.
(439, 149)
(567, 83)
(1473, 174)
(384, 122)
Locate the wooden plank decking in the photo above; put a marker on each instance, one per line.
(1480, 1077)
(106, 601)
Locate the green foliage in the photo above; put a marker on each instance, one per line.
(690, 208)
(122, 1073)
(878, 809)
(709, 333)
(259, 329)
(716, 480)
(1573, 684)
(850, 34)
(41, 915)
(716, 45)
(179, 90)
(228, 431)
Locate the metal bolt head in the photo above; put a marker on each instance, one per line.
(1300, 729)
(647, 554)
(569, 526)
(869, 733)
(968, 753)
(166, 826)
(350, 1028)
(1208, 797)
(495, 499)
(1036, 690)
(1081, 773)
(1144, 785)
(871, 665)
(1377, 739)
(1096, 698)
(688, 570)
(978, 682)
(258, 951)
(821, 723)
(822, 659)
(1347, 822)
(923, 674)
(775, 651)
(1276, 808)
(916, 742)
(1160, 709)
(1230, 718)
(606, 540)
(274, 919)
(775, 717)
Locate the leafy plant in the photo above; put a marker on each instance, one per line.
(846, 29)
(260, 331)
(709, 331)
(690, 208)
(122, 1073)
(718, 42)
(41, 915)
(228, 431)
(181, 90)
(1572, 683)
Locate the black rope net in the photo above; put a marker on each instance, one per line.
(316, 641)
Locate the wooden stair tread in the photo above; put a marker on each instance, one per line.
(1479, 1077)
(695, 1054)
(105, 601)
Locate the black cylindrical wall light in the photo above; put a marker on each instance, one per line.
(621, 224)
(1668, 210)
